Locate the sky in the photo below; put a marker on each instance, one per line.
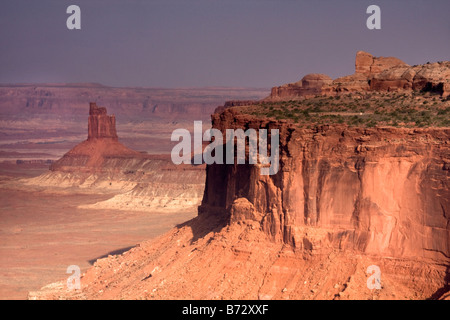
(206, 43)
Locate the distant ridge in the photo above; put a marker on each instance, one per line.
(372, 74)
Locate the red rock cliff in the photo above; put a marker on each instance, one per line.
(382, 191)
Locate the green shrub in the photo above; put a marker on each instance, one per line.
(444, 111)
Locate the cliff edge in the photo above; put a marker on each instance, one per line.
(382, 191)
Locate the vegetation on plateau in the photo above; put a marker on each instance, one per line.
(419, 109)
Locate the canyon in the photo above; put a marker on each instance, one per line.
(102, 197)
(343, 200)
(346, 198)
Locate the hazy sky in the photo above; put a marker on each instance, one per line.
(168, 43)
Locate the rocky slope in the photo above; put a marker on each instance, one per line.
(206, 258)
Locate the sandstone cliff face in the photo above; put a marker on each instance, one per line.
(434, 77)
(381, 191)
(366, 68)
(368, 65)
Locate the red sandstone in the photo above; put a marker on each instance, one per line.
(372, 74)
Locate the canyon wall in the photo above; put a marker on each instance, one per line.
(381, 191)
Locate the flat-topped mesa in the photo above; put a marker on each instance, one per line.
(100, 125)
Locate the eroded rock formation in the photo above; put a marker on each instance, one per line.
(102, 144)
(433, 77)
(140, 181)
(372, 74)
(100, 125)
(368, 65)
(309, 85)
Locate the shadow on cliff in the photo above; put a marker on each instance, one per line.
(205, 223)
(112, 253)
(446, 288)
